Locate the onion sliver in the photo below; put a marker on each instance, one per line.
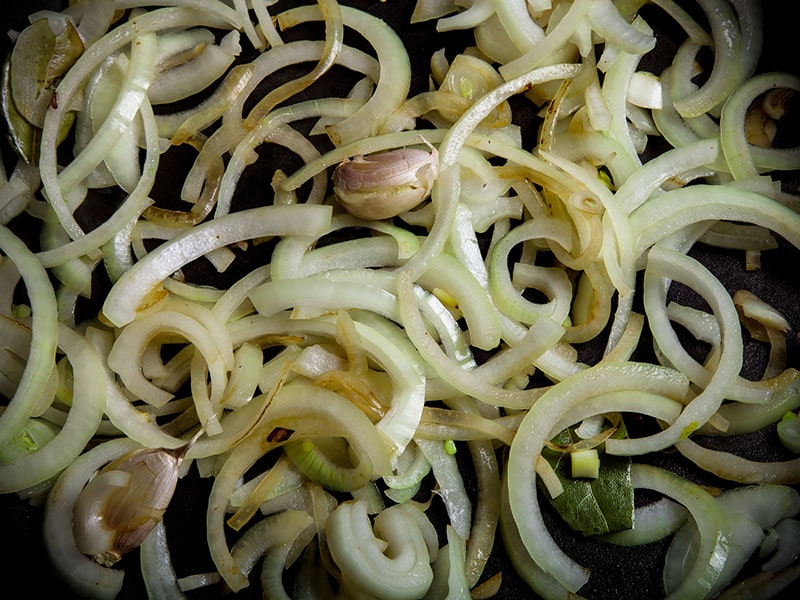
(395, 75)
(674, 210)
(159, 575)
(668, 264)
(44, 329)
(89, 402)
(404, 572)
(150, 22)
(709, 517)
(734, 143)
(127, 295)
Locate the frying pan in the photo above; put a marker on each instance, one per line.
(617, 572)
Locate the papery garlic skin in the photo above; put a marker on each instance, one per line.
(125, 500)
(385, 184)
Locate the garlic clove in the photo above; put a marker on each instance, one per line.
(385, 184)
(119, 507)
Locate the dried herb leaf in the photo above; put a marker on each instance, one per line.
(39, 59)
(593, 506)
(23, 136)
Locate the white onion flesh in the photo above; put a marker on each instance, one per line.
(338, 374)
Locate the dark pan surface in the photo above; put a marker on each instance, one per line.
(618, 573)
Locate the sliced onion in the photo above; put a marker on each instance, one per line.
(44, 329)
(133, 287)
(404, 573)
(82, 421)
(159, 575)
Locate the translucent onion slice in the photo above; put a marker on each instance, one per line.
(278, 539)
(788, 531)
(446, 190)
(724, 76)
(449, 577)
(710, 519)
(472, 16)
(196, 75)
(486, 512)
(269, 129)
(135, 203)
(451, 276)
(450, 484)
(737, 468)
(453, 374)
(134, 339)
(652, 522)
(673, 265)
(128, 294)
(395, 356)
(401, 571)
(44, 329)
(555, 38)
(89, 400)
(132, 93)
(159, 575)
(306, 410)
(679, 208)
(523, 30)
(395, 74)
(734, 143)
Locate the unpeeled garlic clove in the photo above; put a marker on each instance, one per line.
(125, 500)
(385, 184)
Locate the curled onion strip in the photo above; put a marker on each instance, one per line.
(724, 75)
(711, 522)
(136, 202)
(674, 265)
(732, 135)
(89, 400)
(403, 572)
(450, 371)
(159, 575)
(393, 83)
(132, 288)
(679, 208)
(554, 38)
(44, 340)
(331, 13)
(395, 355)
(742, 470)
